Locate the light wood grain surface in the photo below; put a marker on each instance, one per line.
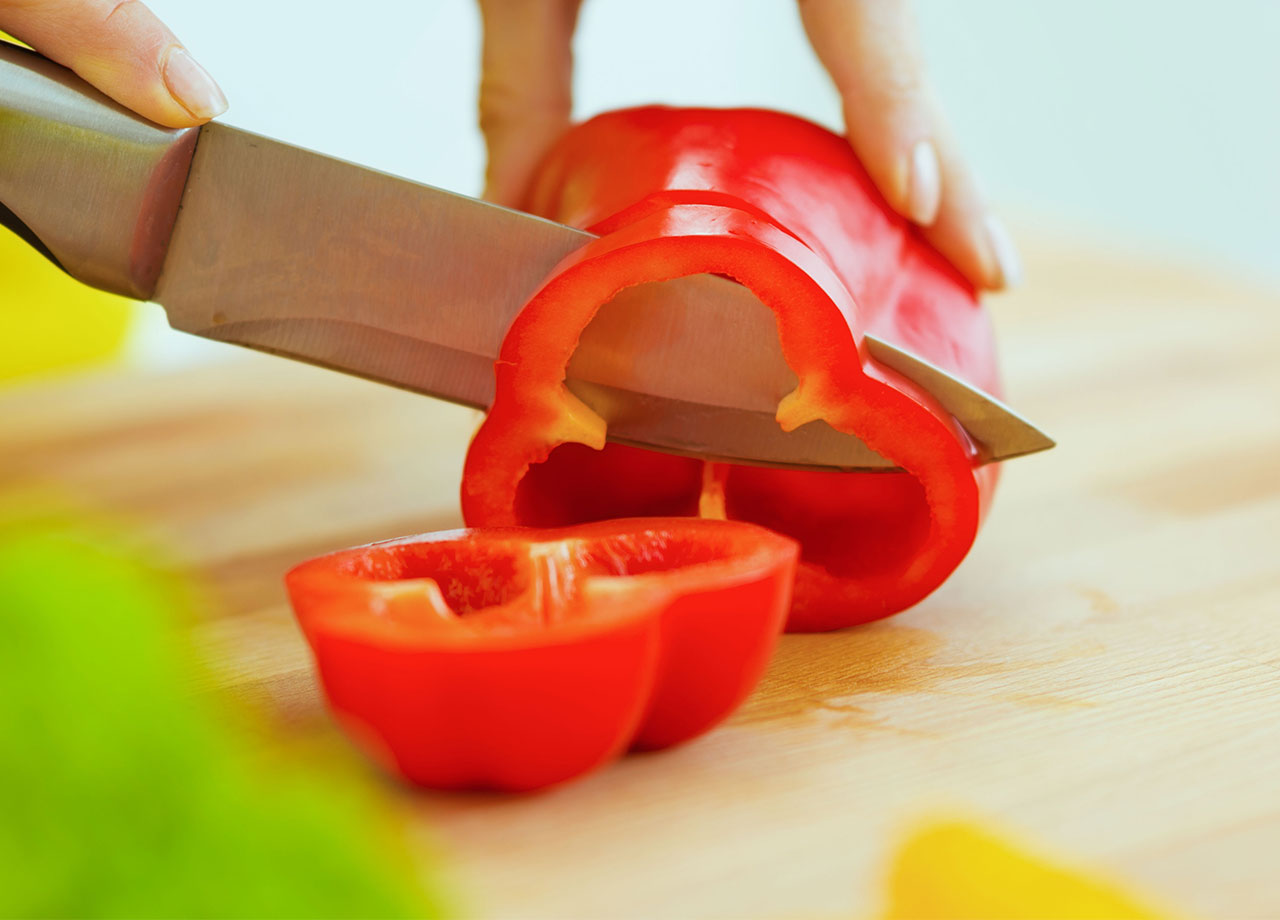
(1102, 675)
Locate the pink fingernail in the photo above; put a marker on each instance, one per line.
(191, 85)
(1004, 253)
(924, 185)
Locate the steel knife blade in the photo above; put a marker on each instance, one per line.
(291, 252)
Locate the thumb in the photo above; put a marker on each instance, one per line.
(123, 50)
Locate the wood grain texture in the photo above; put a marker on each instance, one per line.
(1101, 675)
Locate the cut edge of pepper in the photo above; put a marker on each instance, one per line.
(875, 410)
(752, 553)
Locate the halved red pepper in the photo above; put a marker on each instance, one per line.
(782, 206)
(513, 659)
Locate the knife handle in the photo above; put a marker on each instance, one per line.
(89, 184)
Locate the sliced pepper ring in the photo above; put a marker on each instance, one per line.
(513, 658)
(534, 412)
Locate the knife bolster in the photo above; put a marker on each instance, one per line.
(92, 186)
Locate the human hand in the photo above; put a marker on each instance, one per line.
(871, 51)
(120, 47)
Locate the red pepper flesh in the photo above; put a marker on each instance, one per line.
(783, 207)
(513, 659)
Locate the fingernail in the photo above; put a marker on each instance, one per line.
(1005, 255)
(191, 85)
(924, 186)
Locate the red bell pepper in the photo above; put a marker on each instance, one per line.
(512, 659)
(782, 206)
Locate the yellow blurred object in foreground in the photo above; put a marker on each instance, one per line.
(48, 321)
(959, 871)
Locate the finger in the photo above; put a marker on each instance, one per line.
(120, 47)
(526, 93)
(871, 50)
(965, 231)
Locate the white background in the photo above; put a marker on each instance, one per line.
(1147, 124)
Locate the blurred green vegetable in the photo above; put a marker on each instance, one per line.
(123, 792)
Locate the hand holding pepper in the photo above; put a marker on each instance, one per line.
(871, 51)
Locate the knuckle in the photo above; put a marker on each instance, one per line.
(115, 6)
(503, 103)
(896, 88)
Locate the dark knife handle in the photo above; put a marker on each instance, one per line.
(89, 184)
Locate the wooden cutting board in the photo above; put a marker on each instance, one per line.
(1102, 675)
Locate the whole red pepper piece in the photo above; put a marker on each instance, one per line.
(782, 206)
(513, 659)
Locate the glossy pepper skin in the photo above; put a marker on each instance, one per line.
(782, 206)
(512, 659)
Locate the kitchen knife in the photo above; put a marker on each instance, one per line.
(258, 243)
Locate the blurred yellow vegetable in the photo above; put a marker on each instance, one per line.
(50, 322)
(960, 871)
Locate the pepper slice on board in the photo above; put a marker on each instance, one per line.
(782, 206)
(513, 658)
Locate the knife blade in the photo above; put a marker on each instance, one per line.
(265, 245)
(291, 252)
